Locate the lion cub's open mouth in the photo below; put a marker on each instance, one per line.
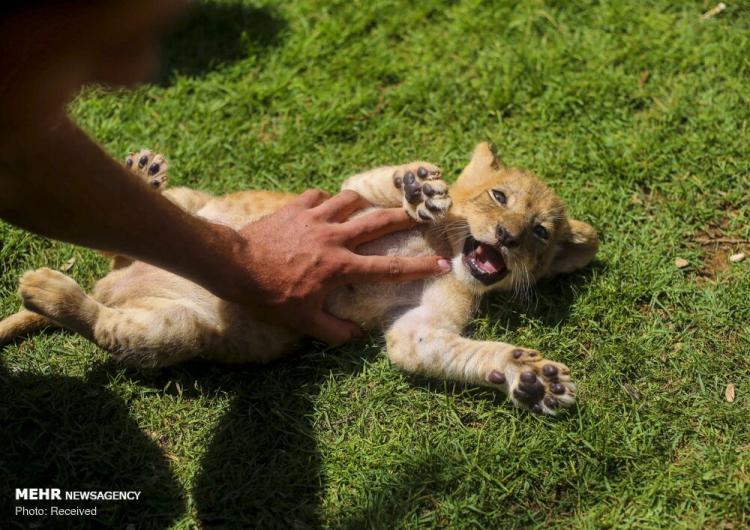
(484, 261)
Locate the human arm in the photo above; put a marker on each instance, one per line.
(57, 182)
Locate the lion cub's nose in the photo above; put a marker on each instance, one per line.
(505, 237)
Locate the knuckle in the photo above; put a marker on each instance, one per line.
(346, 267)
(313, 194)
(394, 267)
(350, 195)
(333, 235)
(332, 264)
(312, 218)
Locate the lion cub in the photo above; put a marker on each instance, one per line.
(503, 228)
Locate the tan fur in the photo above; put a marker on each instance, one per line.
(145, 316)
(22, 323)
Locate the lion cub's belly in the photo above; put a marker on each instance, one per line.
(243, 207)
(373, 305)
(365, 304)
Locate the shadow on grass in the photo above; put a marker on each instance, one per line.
(406, 496)
(550, 301)
(262, 467)
(214, 35)
(62, 432)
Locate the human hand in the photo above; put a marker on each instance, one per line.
(293, 258)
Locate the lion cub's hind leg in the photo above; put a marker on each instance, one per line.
(58, 297)
(150, 332)
(149, 167)
(152, 169)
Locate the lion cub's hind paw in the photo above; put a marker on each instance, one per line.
(536, 383)
(150, 167)
(51, 293)
(425, 193)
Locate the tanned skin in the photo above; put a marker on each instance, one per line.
(57, 182)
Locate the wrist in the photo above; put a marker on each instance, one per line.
(227, 277)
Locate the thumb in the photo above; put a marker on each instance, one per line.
(332, 330)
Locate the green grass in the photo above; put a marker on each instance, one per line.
(635, 112)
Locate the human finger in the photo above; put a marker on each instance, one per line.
(376, 224)
(310, 198)
(394, 268)
(341, 206)
(332, 330)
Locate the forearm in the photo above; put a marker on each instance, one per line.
(60, 184)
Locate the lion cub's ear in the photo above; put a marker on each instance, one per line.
(484, 162)
(485, 157)
(575, 249)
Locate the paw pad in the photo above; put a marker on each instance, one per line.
(535, 383)
(425, 193)
(557, 388)
(522, 354)
(530, 389)
(497, 378)
(150, 167)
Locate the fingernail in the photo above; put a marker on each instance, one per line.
(444, 265)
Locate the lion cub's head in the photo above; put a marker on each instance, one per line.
(509, 229)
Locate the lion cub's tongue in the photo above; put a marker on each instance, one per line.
(485, 258)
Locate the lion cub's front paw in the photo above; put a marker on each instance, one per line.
(150, 167)
(534, 382)
(425, 193)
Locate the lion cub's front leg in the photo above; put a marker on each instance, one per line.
(417, 186)
(529, 380)
(427, 340)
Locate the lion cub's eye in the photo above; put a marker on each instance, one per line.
(500, 197)
(541, 232)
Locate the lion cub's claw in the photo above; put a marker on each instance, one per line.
(150, 167)
(535, 383)
(425, 193)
